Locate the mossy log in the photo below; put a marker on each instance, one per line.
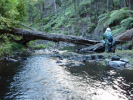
(29, 35)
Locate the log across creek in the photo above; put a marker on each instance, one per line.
(93, 45)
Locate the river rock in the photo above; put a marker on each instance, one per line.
(58, 61)
(117, 64)
(77, 64)
(10, 59)
(22, 58)
(93, 57)
(115, 58)
(101, 57)
(69, 64)
(87, 57)
(124, 60)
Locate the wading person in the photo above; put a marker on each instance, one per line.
(108, 41)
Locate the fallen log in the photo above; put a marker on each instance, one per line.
(119, 39)
(29, 35)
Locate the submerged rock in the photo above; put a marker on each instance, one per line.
(58, 62)
(124, 60)
(117, 64)
(10, 59)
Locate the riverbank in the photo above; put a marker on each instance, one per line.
(62, 50)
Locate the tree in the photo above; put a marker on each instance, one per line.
(55, 5)
(11, 11)
(130, 4)
(108, 5)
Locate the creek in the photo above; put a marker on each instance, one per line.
(41, 78)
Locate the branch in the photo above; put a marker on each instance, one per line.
(26, 26)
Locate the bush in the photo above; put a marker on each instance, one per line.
(16, 46)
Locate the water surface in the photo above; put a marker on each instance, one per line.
(40, 78)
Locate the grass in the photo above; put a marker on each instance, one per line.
(125, 54)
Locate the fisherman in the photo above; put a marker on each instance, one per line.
(108, 40)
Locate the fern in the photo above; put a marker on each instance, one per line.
(118, 29)
(122, 19)
(118, 15)
(122, 13)
(4, 23)
(102, 18)
(128, 22)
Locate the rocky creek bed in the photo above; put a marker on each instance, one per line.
(73, 58)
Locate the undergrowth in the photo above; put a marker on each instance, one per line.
(40, 46)
(7, 46)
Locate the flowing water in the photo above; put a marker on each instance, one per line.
(41, 78)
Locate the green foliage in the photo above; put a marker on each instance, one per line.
(91, 27)
(16, 46)
(12, 8)
(117, 16)
(46, 20)
(40, 46)
(119, 20)
(118, 29)
(102, 18)
(4, 23)
(83, 7)
(127, 23)
(123, 26)
(9, 47)
(11, 11)
(60, 22)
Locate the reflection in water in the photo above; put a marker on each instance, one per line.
(40, 78)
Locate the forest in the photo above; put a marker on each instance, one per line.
(84, 18)
(54, 50)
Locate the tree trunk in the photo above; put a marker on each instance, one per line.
(55, 5)
(130, 4)
(29, 35)
(108, 5)
(127, 3)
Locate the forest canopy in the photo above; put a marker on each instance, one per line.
(76, 17)
(11, 11)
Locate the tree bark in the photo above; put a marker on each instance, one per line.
(108, 5)
(55, 5)
(29, 35)
(130, 4)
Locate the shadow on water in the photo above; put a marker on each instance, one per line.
(7, 72)
(41, 78)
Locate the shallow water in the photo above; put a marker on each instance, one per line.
(40, 78)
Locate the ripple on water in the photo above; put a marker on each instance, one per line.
(41, 78)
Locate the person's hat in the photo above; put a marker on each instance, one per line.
(108, 29)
